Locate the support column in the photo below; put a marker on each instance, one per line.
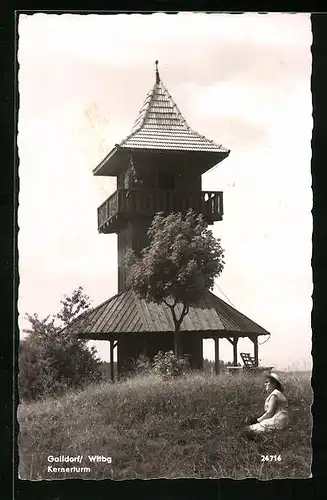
(112, 373)
(235, 340)
(201, 354)
(256, 351)
(217, 367)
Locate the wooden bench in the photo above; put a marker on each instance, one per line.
(249, 364)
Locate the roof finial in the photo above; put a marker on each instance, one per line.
(157, 72)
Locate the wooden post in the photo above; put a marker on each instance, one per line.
(256, 351)
(235, 340)
(112, 373)
(217, 367)
(201, 354)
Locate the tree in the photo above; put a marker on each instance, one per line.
(179, 264)
(52, 358)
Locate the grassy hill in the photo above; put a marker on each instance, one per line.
(188, 427)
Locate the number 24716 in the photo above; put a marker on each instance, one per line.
(271, 458)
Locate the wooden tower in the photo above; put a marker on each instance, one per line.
(158, 167)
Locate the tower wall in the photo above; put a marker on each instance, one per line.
(133, 236)
(191, 346)
(130, 347)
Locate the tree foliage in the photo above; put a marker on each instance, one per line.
(52, 358)
(180, 263)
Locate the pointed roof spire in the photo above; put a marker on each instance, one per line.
(160, 126)
(157, 72)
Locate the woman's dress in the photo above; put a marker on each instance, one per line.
(279, 419)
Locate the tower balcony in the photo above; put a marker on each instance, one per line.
(127, 204)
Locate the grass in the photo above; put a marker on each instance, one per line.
(188, 427)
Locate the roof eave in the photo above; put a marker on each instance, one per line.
(108, 166)
(221, 156)
(111, 164)
(204, 333)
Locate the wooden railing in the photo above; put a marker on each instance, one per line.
(127, 203)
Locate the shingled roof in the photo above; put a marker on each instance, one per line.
(126, 313)
(160, 126)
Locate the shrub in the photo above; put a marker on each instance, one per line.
(53, 359)
(167, 364)
(142, 365)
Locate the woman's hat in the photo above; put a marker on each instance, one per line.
(275, 378)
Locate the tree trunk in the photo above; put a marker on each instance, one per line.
(177, 340)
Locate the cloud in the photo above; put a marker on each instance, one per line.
(63, 51)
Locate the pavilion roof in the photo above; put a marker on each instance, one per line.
(126, 313)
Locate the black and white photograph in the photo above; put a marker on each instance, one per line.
(164, 246)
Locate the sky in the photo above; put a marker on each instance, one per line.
(242, 80)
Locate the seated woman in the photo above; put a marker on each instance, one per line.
(276, 414)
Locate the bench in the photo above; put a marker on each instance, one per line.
(249, 364)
